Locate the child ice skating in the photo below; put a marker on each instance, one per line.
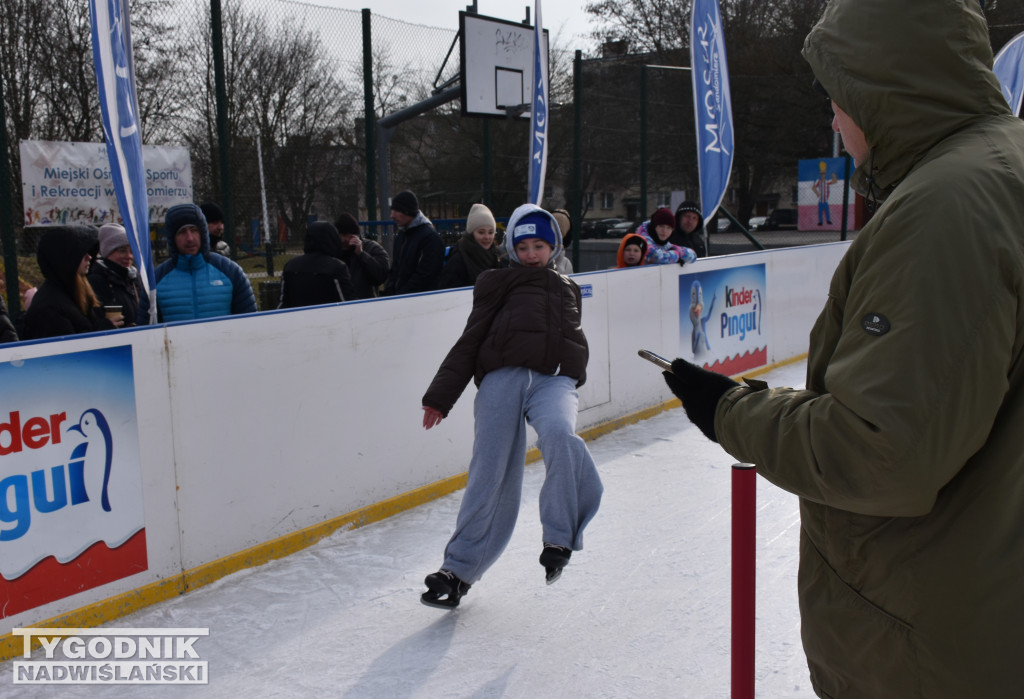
(524, 347)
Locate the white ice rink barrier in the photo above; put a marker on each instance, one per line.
(170, 455)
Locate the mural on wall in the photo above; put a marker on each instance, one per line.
(71, 515)
(820, 195)
(720, 319)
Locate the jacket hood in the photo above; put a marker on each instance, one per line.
(523, 210)
(909, 74)
(181, 215)
(61, 250)
(323, 237)
(634, 238)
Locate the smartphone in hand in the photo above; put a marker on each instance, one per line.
(657, 359)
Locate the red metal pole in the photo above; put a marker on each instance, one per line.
(744, 525)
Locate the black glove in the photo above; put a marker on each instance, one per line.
(699, 390)
(681, 262)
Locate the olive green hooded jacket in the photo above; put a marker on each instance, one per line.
(907, 446)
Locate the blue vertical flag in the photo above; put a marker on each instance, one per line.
(538, 115)
(712, 103)
(1009, 68)
(115, 78)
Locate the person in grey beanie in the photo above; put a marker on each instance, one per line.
(114, 277)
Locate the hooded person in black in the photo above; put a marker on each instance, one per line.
(65, 303)
(689, 231)
(319, 276)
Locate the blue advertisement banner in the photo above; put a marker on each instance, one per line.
(712, 103)
(71, 515)
(721, 317)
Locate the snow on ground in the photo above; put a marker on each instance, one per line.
(643, 611)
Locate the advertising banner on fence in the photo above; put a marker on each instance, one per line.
(66, 182)
(820, 195)
(71, 515)
(712, 103)
(720, 319)
(538, 116)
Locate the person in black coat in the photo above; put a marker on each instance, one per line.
(474, 252)
(368, 262)
(114, 277)
(65, 303)
(419, 251)
(689, 230)
(319, 276)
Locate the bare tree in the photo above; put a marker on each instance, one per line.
(776, 117)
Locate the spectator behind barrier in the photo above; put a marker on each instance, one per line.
(319, 276)
(215, 225)
(632, 251)
(689, 228)
(113, 276)
(657, 232)
(194, 283)
(562, 263)
(7, 331)
(419, 250)
(368, 262)
(65, 303)
(474, 252)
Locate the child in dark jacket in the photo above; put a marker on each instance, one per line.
(524, 346)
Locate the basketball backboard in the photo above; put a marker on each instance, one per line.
(496, 66)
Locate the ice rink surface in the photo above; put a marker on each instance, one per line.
(642, 611)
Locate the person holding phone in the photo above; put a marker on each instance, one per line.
(905, 446)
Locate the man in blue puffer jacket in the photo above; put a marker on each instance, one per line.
(193, 283)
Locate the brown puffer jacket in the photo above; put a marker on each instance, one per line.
(526, 317)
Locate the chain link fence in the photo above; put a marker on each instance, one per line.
(297, 77)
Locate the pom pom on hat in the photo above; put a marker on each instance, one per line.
(479, 215)
(112, 236)
(663, 217)
(534, 225)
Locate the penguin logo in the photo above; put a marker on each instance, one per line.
(93, 426)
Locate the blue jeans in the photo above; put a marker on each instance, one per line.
(508, 398)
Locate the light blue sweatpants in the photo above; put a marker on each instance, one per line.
(507, 399)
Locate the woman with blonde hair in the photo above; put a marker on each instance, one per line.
(65, 303)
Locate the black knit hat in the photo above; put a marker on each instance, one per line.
(212, 212)
(405, 203)
(690, 206)
(347, 224)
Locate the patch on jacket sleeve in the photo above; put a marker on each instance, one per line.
(875, 324)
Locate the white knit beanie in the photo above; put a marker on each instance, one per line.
(479, 215)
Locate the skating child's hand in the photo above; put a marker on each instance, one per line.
(431, 417)
(699, 390)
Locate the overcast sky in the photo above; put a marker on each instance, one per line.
(565, 15)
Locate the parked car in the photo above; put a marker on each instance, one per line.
(756, 223)
(622, 228)
(599, 228)
(780, 219)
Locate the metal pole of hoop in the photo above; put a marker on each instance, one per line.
(744, 525)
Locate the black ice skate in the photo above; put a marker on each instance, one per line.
(554, 558)
(444, 590)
